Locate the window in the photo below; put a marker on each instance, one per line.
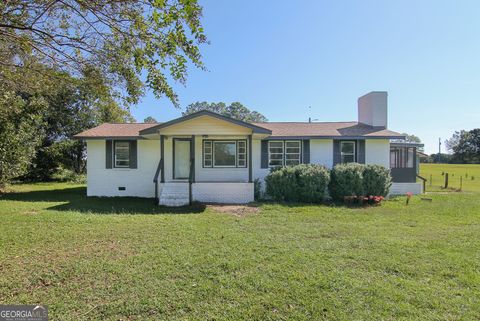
(347, 152)
(292, 153)
(402, 157)
(207, 153)
(275, 153)
(224, 154)
(284, 153)
(220, 153)
(122, 154)
(242, 153)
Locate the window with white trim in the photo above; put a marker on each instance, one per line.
(347, 151)
(207, 153)
(275, 153)
(292, 153)
(122, 154)
(241, 153)
(224, 153)
(284, 153)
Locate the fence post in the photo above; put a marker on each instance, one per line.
(446, 180)
(431, 180)
(461, 182)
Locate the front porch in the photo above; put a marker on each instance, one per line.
(204, 159)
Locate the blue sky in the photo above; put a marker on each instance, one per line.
(280, 57)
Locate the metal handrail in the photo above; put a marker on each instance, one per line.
(424, 182)
(155, 179)
(190, 181)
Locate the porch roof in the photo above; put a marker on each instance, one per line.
(255, 128)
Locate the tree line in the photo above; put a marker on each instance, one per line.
(69, 65)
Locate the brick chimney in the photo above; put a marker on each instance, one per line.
(373, 109)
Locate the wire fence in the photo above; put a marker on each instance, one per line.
(452, 181)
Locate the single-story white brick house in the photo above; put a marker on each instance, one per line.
(208, 157)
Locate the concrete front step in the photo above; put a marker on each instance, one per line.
(175, 194)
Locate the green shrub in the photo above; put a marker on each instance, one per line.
(376, 180)
(300, 183)
(346, 180)
(257, 189)
(67, 175)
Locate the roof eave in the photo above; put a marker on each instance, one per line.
(335, 137)
(78, 137)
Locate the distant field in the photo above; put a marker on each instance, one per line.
(470, 176)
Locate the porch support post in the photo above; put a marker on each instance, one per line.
(162, 158)
(250, 176)
(192, 156)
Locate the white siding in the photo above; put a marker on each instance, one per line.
(321, 152)
(137, 182)
(205, 125)
(377, 151)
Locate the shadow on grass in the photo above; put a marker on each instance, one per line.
(75, 199)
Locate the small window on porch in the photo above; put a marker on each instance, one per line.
(402, 157)
(207, 153)
(224, 153)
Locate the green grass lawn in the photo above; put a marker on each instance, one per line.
(470, 176)
(111, 259)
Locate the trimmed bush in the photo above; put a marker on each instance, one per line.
(376, 180)
(346, 180)
(300, 183)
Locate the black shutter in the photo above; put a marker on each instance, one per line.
(133, 154)
(306, 151)
(337, 158)
(361, 151)
(108, 153)
(264, 154)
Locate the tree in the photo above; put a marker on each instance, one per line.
(234, 110)
(452, 142)
(412, 138)
(124, 39)
(20, 133)
(150, 120)
(72, 105)
(465, 145)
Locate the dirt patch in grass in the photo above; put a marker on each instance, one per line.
(237, 210)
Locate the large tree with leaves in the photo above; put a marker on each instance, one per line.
(465, 146)
(234, 110)
(73, 105)
(124, 39)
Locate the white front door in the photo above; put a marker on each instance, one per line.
(181, 158)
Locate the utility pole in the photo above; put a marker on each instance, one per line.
(439, 149)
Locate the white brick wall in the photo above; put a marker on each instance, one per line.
(137, 182)
(235, 193)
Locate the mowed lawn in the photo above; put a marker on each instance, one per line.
(469, 173)
(112, 259)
